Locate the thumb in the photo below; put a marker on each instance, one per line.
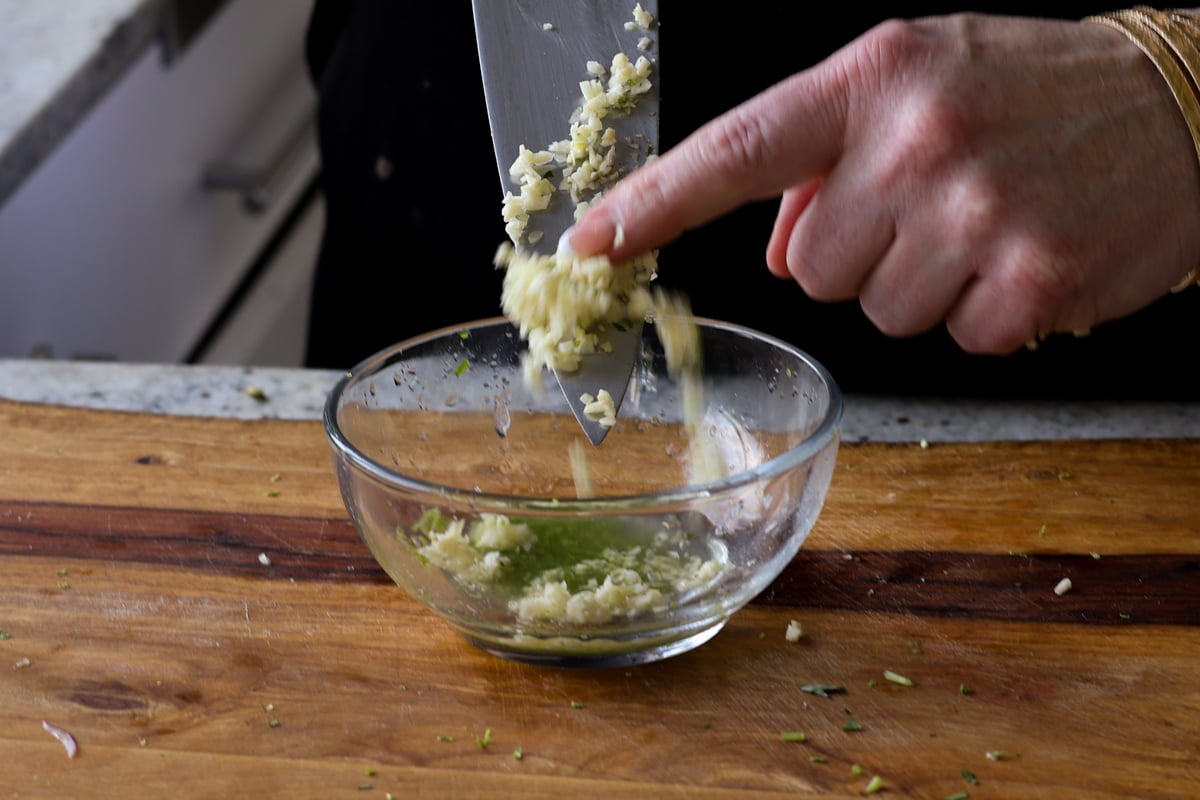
(783, 136)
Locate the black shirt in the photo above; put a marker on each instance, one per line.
(413, 207)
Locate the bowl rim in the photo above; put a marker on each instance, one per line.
(828, 429)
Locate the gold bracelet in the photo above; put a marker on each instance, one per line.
(1168, 39)
(1191, 279)
(1147, 39)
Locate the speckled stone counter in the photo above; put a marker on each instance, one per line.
(260, 392)
(58, 58)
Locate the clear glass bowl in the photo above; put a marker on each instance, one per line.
(466, 486)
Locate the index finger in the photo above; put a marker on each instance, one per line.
(783, 136)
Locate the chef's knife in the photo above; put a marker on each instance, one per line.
(533, 55)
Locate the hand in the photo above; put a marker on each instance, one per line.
(1010, 177)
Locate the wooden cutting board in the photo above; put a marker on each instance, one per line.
(139, 617)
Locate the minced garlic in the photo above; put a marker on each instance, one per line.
(561, 302)
(600, 407)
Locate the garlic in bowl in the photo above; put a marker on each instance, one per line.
(480, 496)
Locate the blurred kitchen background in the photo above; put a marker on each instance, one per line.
(159, 196)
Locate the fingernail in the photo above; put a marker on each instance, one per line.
(565, 250)
(593, 234)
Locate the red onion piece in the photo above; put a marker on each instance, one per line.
(68, 741)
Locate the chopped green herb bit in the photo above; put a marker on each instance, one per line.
(793, 736)
(256, 393)
(856, 770)
(272, 723)
(444, 738)
(464, 334)
(518, 754)
(872, 683)
(996, 755)
(822, 689)
(576, 704)
(5, 635)
(485, 740)
(276, 478)
(896, 677)
(958, 796)
(914, 644)
(370, 773)
(1065, 476)
(963, 689)
(64, 585)
(272, 493)
(60, 572)
(874, 785)
(852, 726)
(462, 367)
(269, 707)
(818, 759)
(1042, 531)
(969, 777)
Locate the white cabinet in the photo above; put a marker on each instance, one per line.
(116, 248)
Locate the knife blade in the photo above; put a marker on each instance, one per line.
(534, 54)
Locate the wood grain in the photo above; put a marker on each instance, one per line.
(129, 554)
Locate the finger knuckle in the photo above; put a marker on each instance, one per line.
(738, 145)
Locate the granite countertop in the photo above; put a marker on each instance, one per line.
(214, 391)
(55, 63)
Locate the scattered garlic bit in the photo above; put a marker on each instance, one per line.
(600, 407)
(1063, 587)
(528, 170)
(547, 26)
(68, 741)
(644, 43)
(642, 18)
(264, 559)
(794, 631)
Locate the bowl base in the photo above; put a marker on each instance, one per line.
(598, 659)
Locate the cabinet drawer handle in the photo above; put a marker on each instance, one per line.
(260, 185)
